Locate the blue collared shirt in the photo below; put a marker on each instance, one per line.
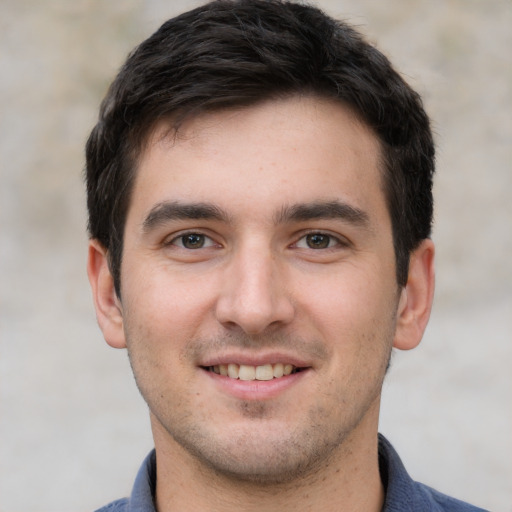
(402, 493)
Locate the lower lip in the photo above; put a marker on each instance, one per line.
(256, 389)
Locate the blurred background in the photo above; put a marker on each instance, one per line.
(73, 429)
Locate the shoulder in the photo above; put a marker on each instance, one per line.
(403, 493)
(440, 502)
(141, 497)
(116, 506)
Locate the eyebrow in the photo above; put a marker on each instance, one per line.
(318, 210)
(174, 210)
(167, 211)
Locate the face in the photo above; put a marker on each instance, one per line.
(258, 290)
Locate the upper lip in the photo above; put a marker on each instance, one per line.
(257, 359)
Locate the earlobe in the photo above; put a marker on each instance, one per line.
(108, 306)
(416, 298)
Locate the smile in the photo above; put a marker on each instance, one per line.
(248, 372)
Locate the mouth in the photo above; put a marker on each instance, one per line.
(245, 372)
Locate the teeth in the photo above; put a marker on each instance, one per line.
(278, 370)
(248, 372)
(265, 372)
(233, 371)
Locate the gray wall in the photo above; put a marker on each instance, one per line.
(73, 428)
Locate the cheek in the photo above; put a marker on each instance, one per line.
(161, 317)
(156, 339)
(353, 297)
(164, 303)
(355, 316)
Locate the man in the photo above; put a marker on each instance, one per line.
(260, 205)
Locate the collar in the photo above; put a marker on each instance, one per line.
(402, 493)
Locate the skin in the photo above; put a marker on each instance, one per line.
(254, 236)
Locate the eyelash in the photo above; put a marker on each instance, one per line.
(180, 241)
(338, 242)
(182, 236)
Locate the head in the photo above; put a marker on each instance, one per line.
(238, 53)
(259, 188)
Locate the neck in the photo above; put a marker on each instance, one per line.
(348, 481)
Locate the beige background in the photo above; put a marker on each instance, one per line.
(73, 429)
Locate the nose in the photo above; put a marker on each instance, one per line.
(253, 295)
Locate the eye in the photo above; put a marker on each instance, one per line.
(317, 241)
(192, 241)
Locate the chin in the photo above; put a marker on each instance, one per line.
(263, 458)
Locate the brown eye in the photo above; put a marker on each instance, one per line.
(193, 241)
(318, 241)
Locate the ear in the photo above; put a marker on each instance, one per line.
(108, 307)
(416, 298)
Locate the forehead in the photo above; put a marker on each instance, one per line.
(274, 153)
